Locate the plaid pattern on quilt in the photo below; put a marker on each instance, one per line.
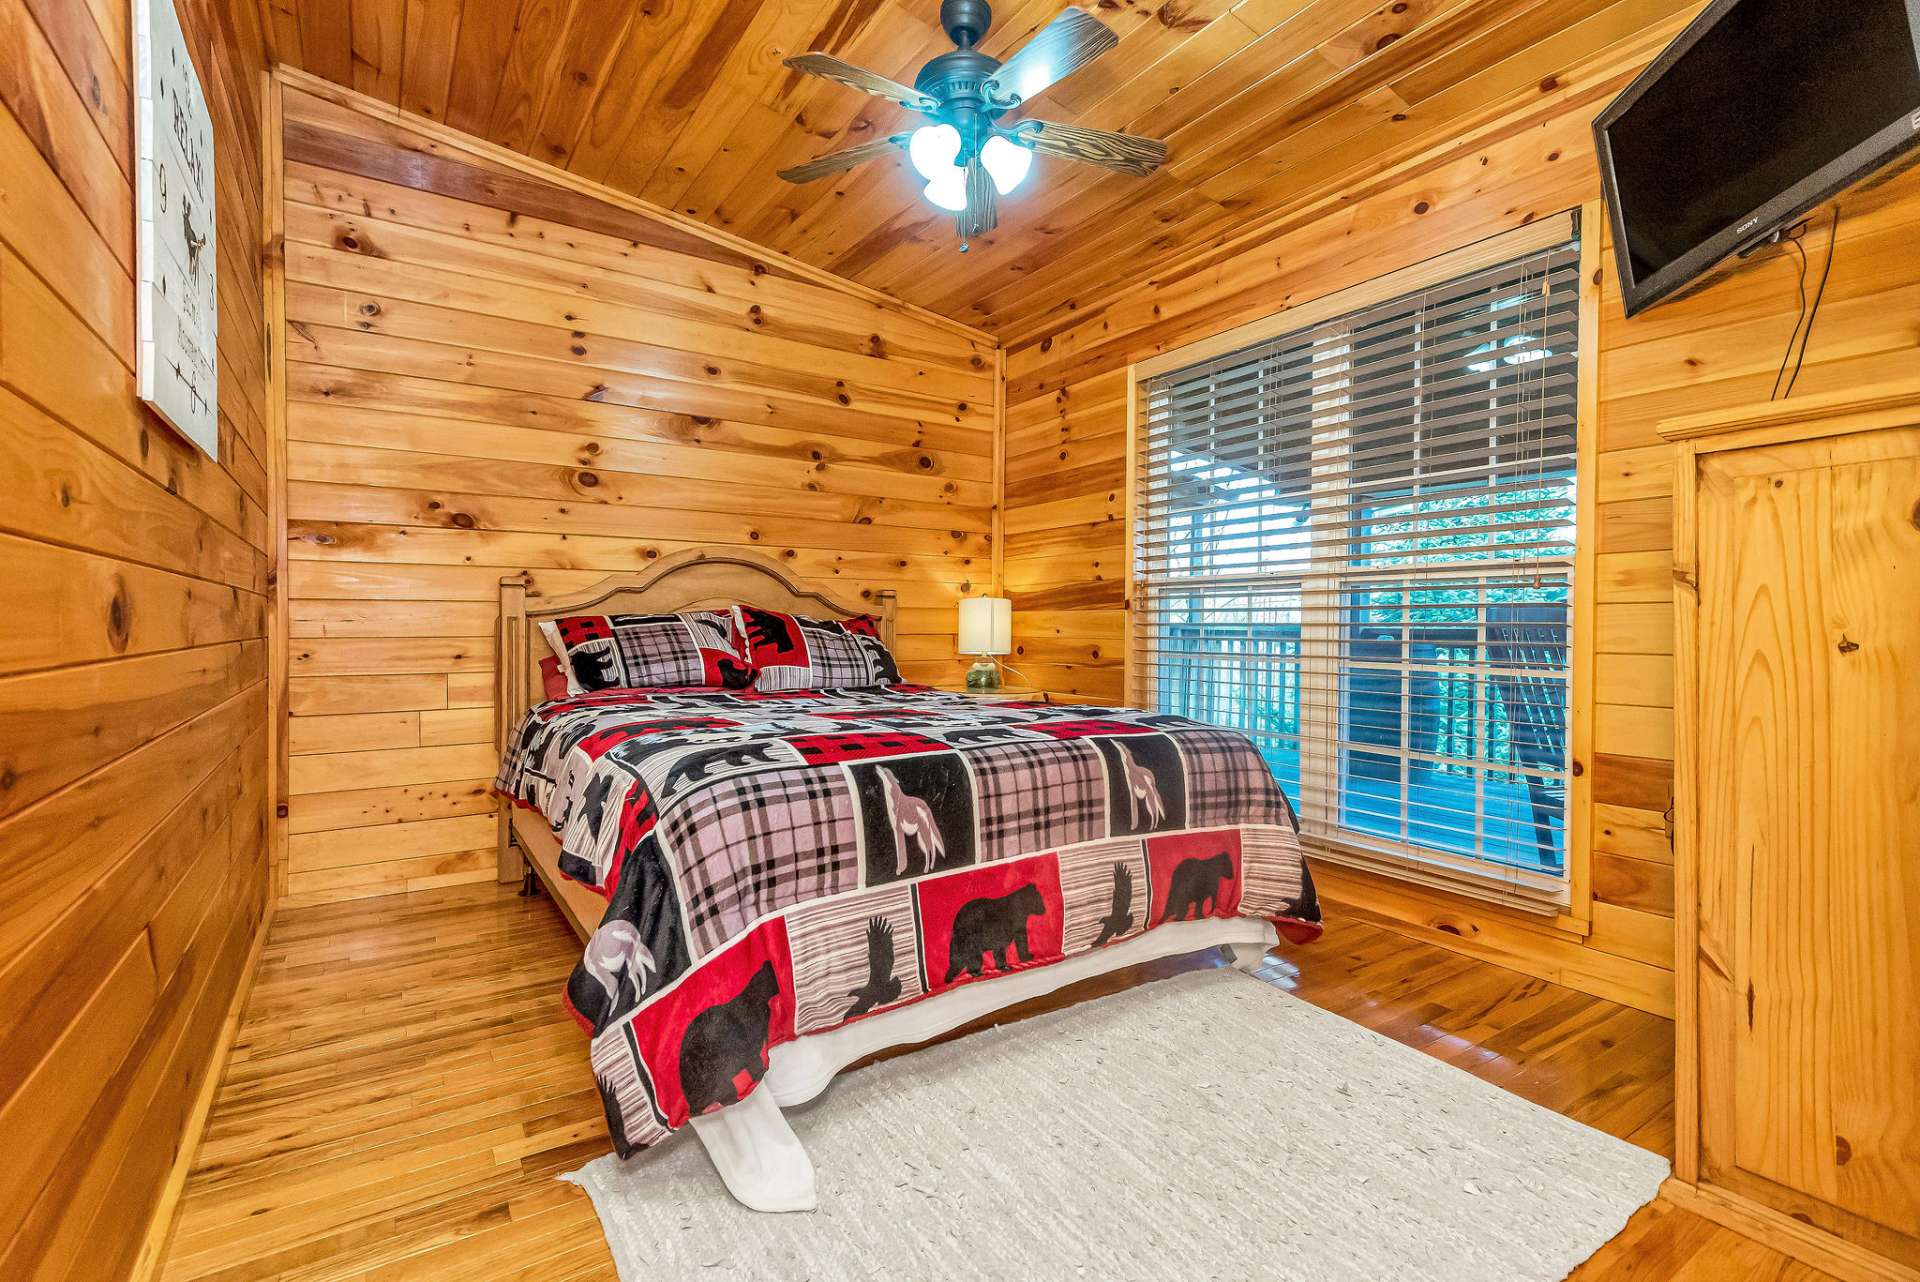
(1038, 794)
(1227, 784)
(760, 843)
(777, 864)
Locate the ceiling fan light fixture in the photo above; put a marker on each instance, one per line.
(967, 156)
(1007, 163)
(949, 190)
(933, 150)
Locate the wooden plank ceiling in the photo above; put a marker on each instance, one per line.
(1264, 104)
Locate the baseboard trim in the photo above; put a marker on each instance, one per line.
(1518, 941)
(159, 1234)
(1823, 1250)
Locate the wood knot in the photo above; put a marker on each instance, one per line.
(1847, 645)
(119, 622)
(1842, 1151)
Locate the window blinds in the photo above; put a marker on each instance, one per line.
(1354, 541)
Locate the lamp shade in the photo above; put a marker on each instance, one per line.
(986, 625)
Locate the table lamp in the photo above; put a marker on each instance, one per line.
(986, 630)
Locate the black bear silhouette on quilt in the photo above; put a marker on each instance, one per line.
(1194, 890)
(993, 931)
(723, 1041)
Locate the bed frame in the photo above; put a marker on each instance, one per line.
(752, 1146)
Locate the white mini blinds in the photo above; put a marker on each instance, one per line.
(1354, 541)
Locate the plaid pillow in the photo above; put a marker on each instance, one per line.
(787, 652)
(637, 651)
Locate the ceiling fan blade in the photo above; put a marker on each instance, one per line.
(845, 73)
(1124, 152)
(1057, 50)
(982, 213)
(838, 161)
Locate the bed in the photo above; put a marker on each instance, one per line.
(773, 886)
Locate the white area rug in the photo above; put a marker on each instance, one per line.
(1206, 1126)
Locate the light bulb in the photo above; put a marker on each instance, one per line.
(1007, 163)
(949, 190)
(933, 149)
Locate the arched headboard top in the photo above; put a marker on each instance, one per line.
(696, 579)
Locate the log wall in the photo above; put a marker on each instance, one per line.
(133, 692)
(494, 368)
(1067, 466)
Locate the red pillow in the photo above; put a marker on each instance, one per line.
(553, 682)
(789, 652)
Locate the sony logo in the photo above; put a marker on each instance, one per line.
(1750, 222)
(1913, 121)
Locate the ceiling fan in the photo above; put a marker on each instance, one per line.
(968, 156)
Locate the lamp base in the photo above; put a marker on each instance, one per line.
(983, 675)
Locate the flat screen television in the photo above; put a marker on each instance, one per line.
(1760, 110)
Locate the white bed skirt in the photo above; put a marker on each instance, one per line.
(760, 1158)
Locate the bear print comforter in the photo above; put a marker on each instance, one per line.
(780, 864)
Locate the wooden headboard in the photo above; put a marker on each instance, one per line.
(697, 579)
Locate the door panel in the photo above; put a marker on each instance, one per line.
(1809, 791)
(1873, 785)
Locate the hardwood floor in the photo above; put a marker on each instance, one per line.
(406, 1086)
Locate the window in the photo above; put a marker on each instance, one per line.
(1354, 542)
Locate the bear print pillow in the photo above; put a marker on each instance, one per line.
(789, 652)
(641, 651)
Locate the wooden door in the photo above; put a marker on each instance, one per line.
(1809, 806)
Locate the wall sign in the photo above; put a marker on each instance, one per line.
(178, 316)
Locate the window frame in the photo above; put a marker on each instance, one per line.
(1566, 899)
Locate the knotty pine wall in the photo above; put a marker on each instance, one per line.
(491, 369)
(133, 698)
(1066, 466)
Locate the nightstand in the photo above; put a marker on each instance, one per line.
(1005, 694)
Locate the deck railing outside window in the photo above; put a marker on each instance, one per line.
(1355, 543)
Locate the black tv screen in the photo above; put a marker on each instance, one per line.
(1759, 111)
